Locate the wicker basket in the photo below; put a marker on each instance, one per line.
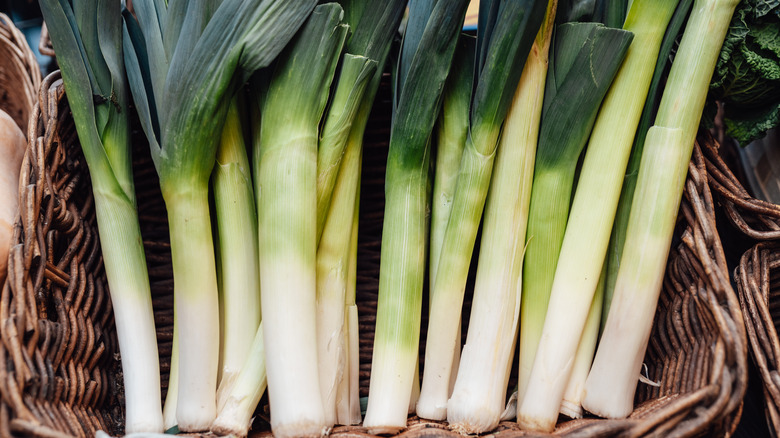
(756, 275)
(753, 217)
(20, 76)
(758, 284)
(59, 367)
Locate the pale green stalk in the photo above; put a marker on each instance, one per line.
(664, 166)
(506, 49)
(237, 230)
(479, 396)
(451, 133)
(353, 322)
(571, 406)
(188, 216)
(356, 74)
(286, 191)
(426, 54)
(235, 416)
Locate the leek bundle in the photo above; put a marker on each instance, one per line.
(184, 62)
(586, 238)
(285, 163)
(504, 46)
(664, 165)
(87, 37)
(563, 133)
(426, 54)
(479, 395)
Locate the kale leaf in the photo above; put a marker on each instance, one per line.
(747, 75)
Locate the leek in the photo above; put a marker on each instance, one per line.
(184, 62)
(333, 259)
(356, 73)
(426, 54)
(585, 57)
(172, 396)
(479, 395)
(660, 183)
(571, 405)
(236, 219)
(349, 409)
(338, 168)
(88, 40)
(618, 236)
(451, 133)
(285, 164)
(510, 38)
(586, 238)
(240, 402)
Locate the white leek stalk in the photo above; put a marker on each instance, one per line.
(349, 396)
(479, 396)
(659, 189)
(571, 406)
(286, 191)
(171, 397)
(239, 405)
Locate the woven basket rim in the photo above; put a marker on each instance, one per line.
(22, 67)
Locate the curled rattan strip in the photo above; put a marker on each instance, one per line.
(20, 76)
(757, 283)
(44, 44)
(755, 218)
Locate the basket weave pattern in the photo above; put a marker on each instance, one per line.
(56, 297)
(758, 283)
(755, 218)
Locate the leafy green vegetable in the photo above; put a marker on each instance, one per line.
(747, 76)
